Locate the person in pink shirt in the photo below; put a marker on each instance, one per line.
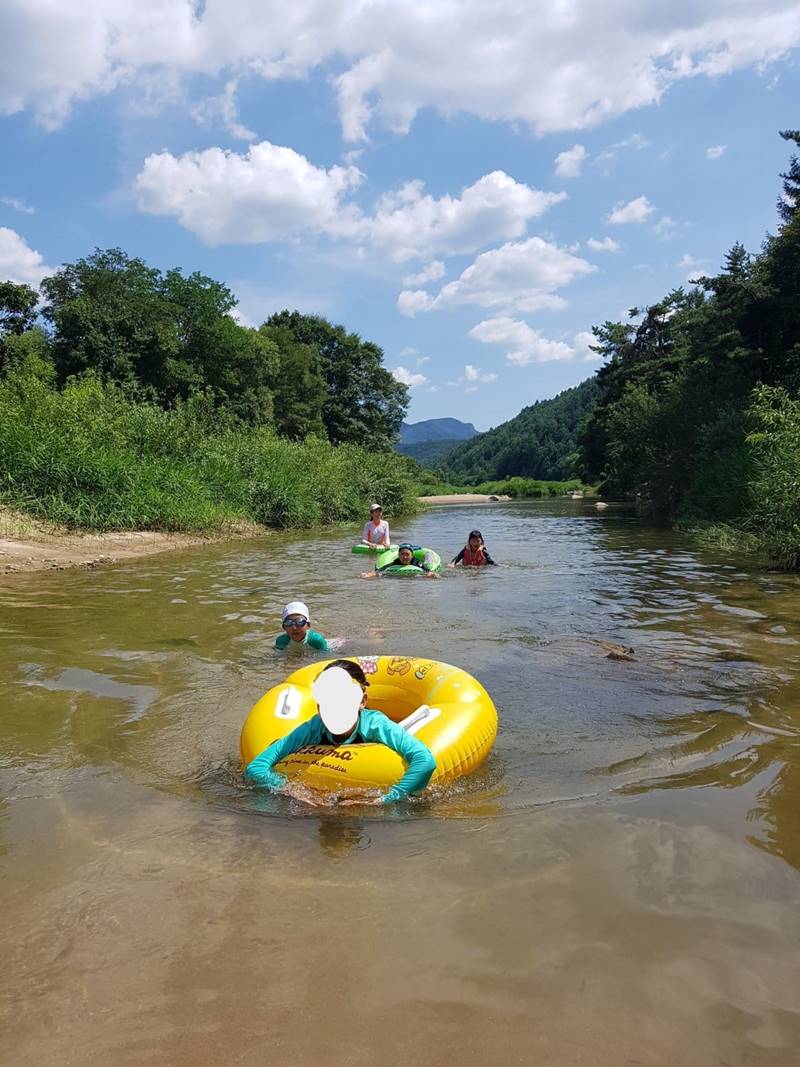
(376, 531)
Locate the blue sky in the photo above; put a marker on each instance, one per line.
(470, 185)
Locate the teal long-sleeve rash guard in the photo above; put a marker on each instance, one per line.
(372, 726)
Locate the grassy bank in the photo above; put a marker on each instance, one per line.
(91, 458)
(517, 488)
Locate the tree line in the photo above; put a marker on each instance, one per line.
(698, 409)
(132, 399)
(165, 337)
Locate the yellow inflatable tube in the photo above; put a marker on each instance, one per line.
(443, 706)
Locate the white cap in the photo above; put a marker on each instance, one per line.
(338, 697)
(375, 507)
(296, 607)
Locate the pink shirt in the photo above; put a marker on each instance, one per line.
(376, 535)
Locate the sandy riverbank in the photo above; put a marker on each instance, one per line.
(463, 498)
(26, 544)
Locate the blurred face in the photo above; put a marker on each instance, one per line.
(296, 627)
(474, 543)
(405, 556)
(376, 515)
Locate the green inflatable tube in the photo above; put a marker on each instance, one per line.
(365, 550)
(397, 570)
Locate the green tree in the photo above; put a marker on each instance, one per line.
(163, 337)
(18, 337)
(789, 201)
(17, 308)
(108, 317)
(297, 385)
(364, 404)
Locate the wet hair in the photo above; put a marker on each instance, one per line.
(475, 533)
(353, 669)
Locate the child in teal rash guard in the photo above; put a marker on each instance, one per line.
(330, 727)
(297, 630)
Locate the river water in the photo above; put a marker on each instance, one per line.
(618, 885)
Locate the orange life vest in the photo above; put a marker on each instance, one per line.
(473, 559)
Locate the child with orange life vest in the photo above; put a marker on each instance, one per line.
(474, 553)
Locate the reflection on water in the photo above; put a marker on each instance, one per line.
(619, 878)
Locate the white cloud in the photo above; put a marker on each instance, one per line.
(402, 374)
(272, 193)
(715, 151)
(607, 244)
(411, 301)
(693, 267)
(569, 162)
(475, 374)
(583, 342)
(524, 344)
(223, 108)
(431, 273)
(636, 141)
(412, 353)
(19, 262)
(387, 56)
(17, 204)
(638, 210)
(266, 195)
(665, 228)
(521, 276)
(409, 222)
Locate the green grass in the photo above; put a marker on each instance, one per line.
(88, 457)
(517, 488)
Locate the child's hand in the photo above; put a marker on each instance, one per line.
(350, 801)
(452, 565)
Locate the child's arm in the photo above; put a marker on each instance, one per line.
(488, 558)
(456, 559)
(417, 755)
(318, 642)
(259, 771)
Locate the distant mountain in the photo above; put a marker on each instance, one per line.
(538, 443)
(429, 453)
(413, 433)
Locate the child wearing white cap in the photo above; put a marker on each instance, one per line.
(376, 531)
(297, 629)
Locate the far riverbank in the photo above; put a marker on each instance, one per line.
(463, 498)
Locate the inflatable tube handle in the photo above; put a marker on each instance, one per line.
(288, 703)
(423, 714)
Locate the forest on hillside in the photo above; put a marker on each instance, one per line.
(698, 411)
(540, 442)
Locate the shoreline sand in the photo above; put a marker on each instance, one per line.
(28, 544)
(463, 498)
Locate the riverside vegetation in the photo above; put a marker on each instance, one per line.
(132, 399)
(142, 404)
(695, 414)
(698, 415)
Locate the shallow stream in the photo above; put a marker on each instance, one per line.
(618, 885)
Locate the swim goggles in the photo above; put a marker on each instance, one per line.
(295, 624)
